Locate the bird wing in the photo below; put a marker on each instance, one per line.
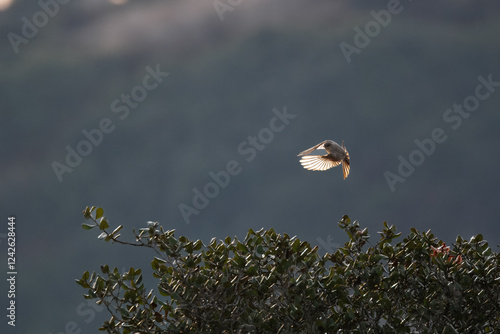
(310, 150)
(318, 162)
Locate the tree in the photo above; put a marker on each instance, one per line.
(274, 283)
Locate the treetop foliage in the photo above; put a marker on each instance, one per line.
(274, 283)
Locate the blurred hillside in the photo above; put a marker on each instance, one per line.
(225, 78)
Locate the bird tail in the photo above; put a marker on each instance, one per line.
(346, 163)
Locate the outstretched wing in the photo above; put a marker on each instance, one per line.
(310, 150)
(318, 162)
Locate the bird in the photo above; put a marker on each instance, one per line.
(336, 155)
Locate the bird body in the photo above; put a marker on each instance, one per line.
(336, 155)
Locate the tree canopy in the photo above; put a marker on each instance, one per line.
(274, 283)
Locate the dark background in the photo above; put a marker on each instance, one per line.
(225, 78)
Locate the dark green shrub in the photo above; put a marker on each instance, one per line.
(274, 283)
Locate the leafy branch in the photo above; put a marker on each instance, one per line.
(274, 283)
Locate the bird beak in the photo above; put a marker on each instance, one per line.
(321, 147)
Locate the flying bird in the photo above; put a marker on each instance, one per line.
(336, 154)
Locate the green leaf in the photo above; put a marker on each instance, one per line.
(240, 261)
(189, 247)
(197, 245)
(86, 213)
(98, 213)
(88, 226)
(103, 224)
(242, 248)
(252, 270)
(117, 229)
